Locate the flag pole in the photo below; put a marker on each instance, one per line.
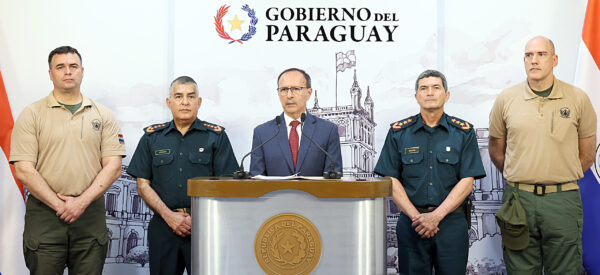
(336, 76)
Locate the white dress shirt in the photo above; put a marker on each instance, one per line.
(288, 123)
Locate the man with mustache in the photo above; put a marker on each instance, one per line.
(67, 151)
(542, 137)
(290, 152)
(166, 156)
(433, 160)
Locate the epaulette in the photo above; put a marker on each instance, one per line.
(403, 123)
(214, 127)
(459, 123)
(152, 128)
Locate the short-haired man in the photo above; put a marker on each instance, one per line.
(290, 153)
(542, 137)
(67, 151)
(433, 159)
(167, 155)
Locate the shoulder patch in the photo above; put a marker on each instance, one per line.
(213, 127)
(154, 127)
(459, 123)
(403, 123)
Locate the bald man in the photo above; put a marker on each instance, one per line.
(542, 137)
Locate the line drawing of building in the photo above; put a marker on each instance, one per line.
(127, 218)
(356, 127)
(487, 194)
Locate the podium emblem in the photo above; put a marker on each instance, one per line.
(287, 243)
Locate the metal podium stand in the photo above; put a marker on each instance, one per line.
(299, 226)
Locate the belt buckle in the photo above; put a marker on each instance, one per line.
(181, 210)
(542, 187)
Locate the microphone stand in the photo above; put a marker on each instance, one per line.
(241, 174)
(331, 174)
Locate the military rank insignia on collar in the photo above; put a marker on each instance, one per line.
(154, 127)
(458, 123)
(405, 122)
(213, 127)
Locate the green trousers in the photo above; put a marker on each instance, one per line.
(555, 223)
(50, 244)
(447, 251)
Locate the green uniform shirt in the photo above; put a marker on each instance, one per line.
(430, 161)
(168, 159)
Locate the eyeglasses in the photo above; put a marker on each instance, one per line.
(285, 90)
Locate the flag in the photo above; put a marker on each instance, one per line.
(586, 77)
(12, 204)
(345, 61)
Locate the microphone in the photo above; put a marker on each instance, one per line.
(331, 174)
(241, 174)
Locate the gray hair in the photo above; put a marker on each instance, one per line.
(182, 80)
(431, 73)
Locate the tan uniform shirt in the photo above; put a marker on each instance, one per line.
(66, 148)
(542, 134)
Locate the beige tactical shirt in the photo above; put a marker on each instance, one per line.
(542, 134)
(66, 148)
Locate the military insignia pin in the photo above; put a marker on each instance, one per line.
(96, 124)
(565, 112)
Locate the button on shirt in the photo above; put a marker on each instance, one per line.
(429, 161)
(168, 159)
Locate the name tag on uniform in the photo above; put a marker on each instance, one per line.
(162, 152)
(411, 150)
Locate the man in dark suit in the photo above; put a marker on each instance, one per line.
(290, 152)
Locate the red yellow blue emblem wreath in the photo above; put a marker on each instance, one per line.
(221, 30)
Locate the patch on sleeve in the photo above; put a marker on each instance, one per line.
(121, 139)
(459, 123)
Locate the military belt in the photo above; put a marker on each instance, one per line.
(183, 210)
(543, 189)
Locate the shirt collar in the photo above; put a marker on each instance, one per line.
(288, 119)
(52, 102)
(419, 124)
(196, 125)
(554, 94)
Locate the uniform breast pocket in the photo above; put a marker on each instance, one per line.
(412, 165)
(447, 165)
(200, 158)
(563, 125)
(162, 167)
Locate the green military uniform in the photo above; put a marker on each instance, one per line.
(168, 160)
(429, 162)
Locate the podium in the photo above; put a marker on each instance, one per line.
(301, 226)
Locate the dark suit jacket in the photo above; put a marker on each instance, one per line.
(275, 157)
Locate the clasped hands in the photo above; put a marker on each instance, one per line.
(180, 223)
(426, 224)
(70, 208)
